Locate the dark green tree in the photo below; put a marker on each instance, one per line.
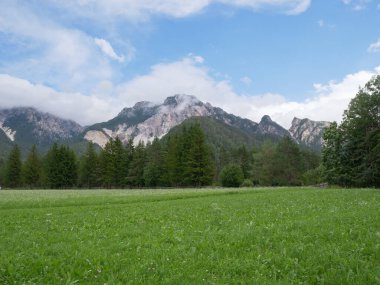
(13, 168)
(355, 144)
(136, 168)
(231, 176)
(265, 164)
(32, 169)
(114, 162)
(61, 167)
(198, 167)
(90, 168)
(288, 163)
(154, 164)
(173, 154)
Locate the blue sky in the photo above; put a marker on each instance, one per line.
(87, 59)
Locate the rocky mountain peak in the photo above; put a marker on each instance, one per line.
(25, 125)
(308, 132)
(266, 119)
(143, 105)
(296, 121)
(181, 99)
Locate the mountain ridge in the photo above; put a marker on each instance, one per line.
(143, 122)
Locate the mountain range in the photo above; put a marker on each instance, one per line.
(145, 121)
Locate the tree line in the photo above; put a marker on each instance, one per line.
(180, 160)
(351, 154)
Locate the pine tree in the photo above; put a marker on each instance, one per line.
(351, 155)
(154, 166)
(13, 168)
(61, 167)
(198, 167)
(107, 163)
(2, 171)
(119, 165)
(245, 161)
(288, 163)
(173, 164)
(136, 168)
(264, 164)
(89, 168)
(32, 168)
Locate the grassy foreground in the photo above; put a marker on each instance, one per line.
(259, 236)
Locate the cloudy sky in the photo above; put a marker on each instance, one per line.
(87, 59)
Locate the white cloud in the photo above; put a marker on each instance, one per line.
(16, 92)
(142, 9)
(357, 5)
(246, 80)
(375, 47)
(108, 50)
(186, 76)
(66, 58)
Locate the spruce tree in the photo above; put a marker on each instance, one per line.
(61, 167)
(13, 168)
(351, 155)
(107, 163)
(136, 168)
(32, 169)
(118, 154)
(89, 168)
(198, 167)
(154, 166)
(288, 163)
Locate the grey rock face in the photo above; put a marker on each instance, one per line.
(269, 127)
(308, 132)
(27, 124)
(145, 120)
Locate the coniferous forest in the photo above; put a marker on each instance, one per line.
(350, 157)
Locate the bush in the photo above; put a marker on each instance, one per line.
(313, 176)
(247, 183)
(231, 176)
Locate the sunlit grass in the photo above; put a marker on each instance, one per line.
(192, 236)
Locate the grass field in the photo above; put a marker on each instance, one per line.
(258, 236)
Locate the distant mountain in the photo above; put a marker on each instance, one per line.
(27, 126)
(308, 133)
(145, 121)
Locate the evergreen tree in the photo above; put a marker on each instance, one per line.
(2, 171)
(119, 165)
(32, 169)
(108, 167)
(198, 167)
(154, 166)
(173, 161)
(89, 168)
(136, 167)
(129, 151)
(13, 168)
(61, 167)
(113, 161)
(355, 144)
(331, 155)
(264, 164)
(288, 163)
(245, 161)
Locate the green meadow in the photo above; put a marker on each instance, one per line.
(192, 236)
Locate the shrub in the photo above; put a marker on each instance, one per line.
(247, 183)
(231, 176)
